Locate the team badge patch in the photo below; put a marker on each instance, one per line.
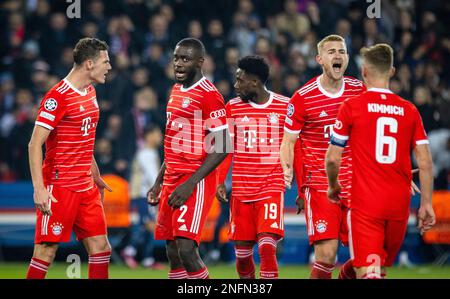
(185, 103)
(57, 228)
(50, 104)
(273, 118)
(290, 110)
(321, 226)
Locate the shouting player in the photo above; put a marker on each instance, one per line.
(256, 119)
(68, 189)
(382, 129)
(311, 114)
(195, 143)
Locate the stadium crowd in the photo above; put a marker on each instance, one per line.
(38, 38)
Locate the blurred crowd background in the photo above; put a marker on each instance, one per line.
(37, 39)
(36, 42)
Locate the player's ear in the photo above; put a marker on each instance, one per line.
(89, 64)
(319, 59)
(392, 72)
(201, 60)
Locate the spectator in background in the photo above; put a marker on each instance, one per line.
(55, 38)
(144, 170)
(37, 20)
(195, 29)
(104, 156)
(215, 42)
(440, 151)
(427, 110)
(297, 24)
(157, 32)
(144, 112)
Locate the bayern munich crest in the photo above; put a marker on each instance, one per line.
(321, 226)
(186, 102)
(50, 104)
(273, 118)
(290, 110)
(57, 228)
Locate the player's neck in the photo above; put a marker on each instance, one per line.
(371, 83)
(331, 85)
(262, 96)
(198, 76)
(78, 80)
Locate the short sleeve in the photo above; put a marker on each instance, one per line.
(214, 112)
(420, 136)
(342, 125)
(295, 115)
(51, 110)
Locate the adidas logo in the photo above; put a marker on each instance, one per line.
(183, 228)
(81, 108)
(245, 119)
(323, 114)
(274, 225)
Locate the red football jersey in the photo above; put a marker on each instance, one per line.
(311, 113)
(72, 117)
(382, 129)
(191, 113)
(257, 132)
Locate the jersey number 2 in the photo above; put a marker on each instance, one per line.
(388, 141)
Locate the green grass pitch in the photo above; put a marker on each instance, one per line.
(224, 271)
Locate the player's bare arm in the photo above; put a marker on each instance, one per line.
(287, 156)
(41, 195)
(333, 159)
(101, 184)
(426, 214)
(154, 192)
(183, 192)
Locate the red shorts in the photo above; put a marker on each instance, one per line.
(188, 220)
(81, 212)
(250, 219)
(324, 219)
(374, 242)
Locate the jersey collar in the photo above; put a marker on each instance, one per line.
(382, 90)
(330, 95)
(81, 93)
(193, 85)
(265, 105)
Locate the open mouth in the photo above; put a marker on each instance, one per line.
(179, 74)
(337, 67)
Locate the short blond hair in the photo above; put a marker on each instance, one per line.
(379, 56)
(329, 38)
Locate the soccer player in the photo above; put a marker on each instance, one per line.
(195, 143)
(382, 129)
(311, 114)
(256, 120)
(68, 188)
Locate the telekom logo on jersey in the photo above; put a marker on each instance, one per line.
(86, 125)
(252, 135)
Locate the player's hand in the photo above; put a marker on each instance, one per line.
(181, 194)
(41, 198)
(221, 193)
(153, 194)
(333, 193)
(102, 185)
(426, 218)
(414, 187)
(300, 202)
(288, 172)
